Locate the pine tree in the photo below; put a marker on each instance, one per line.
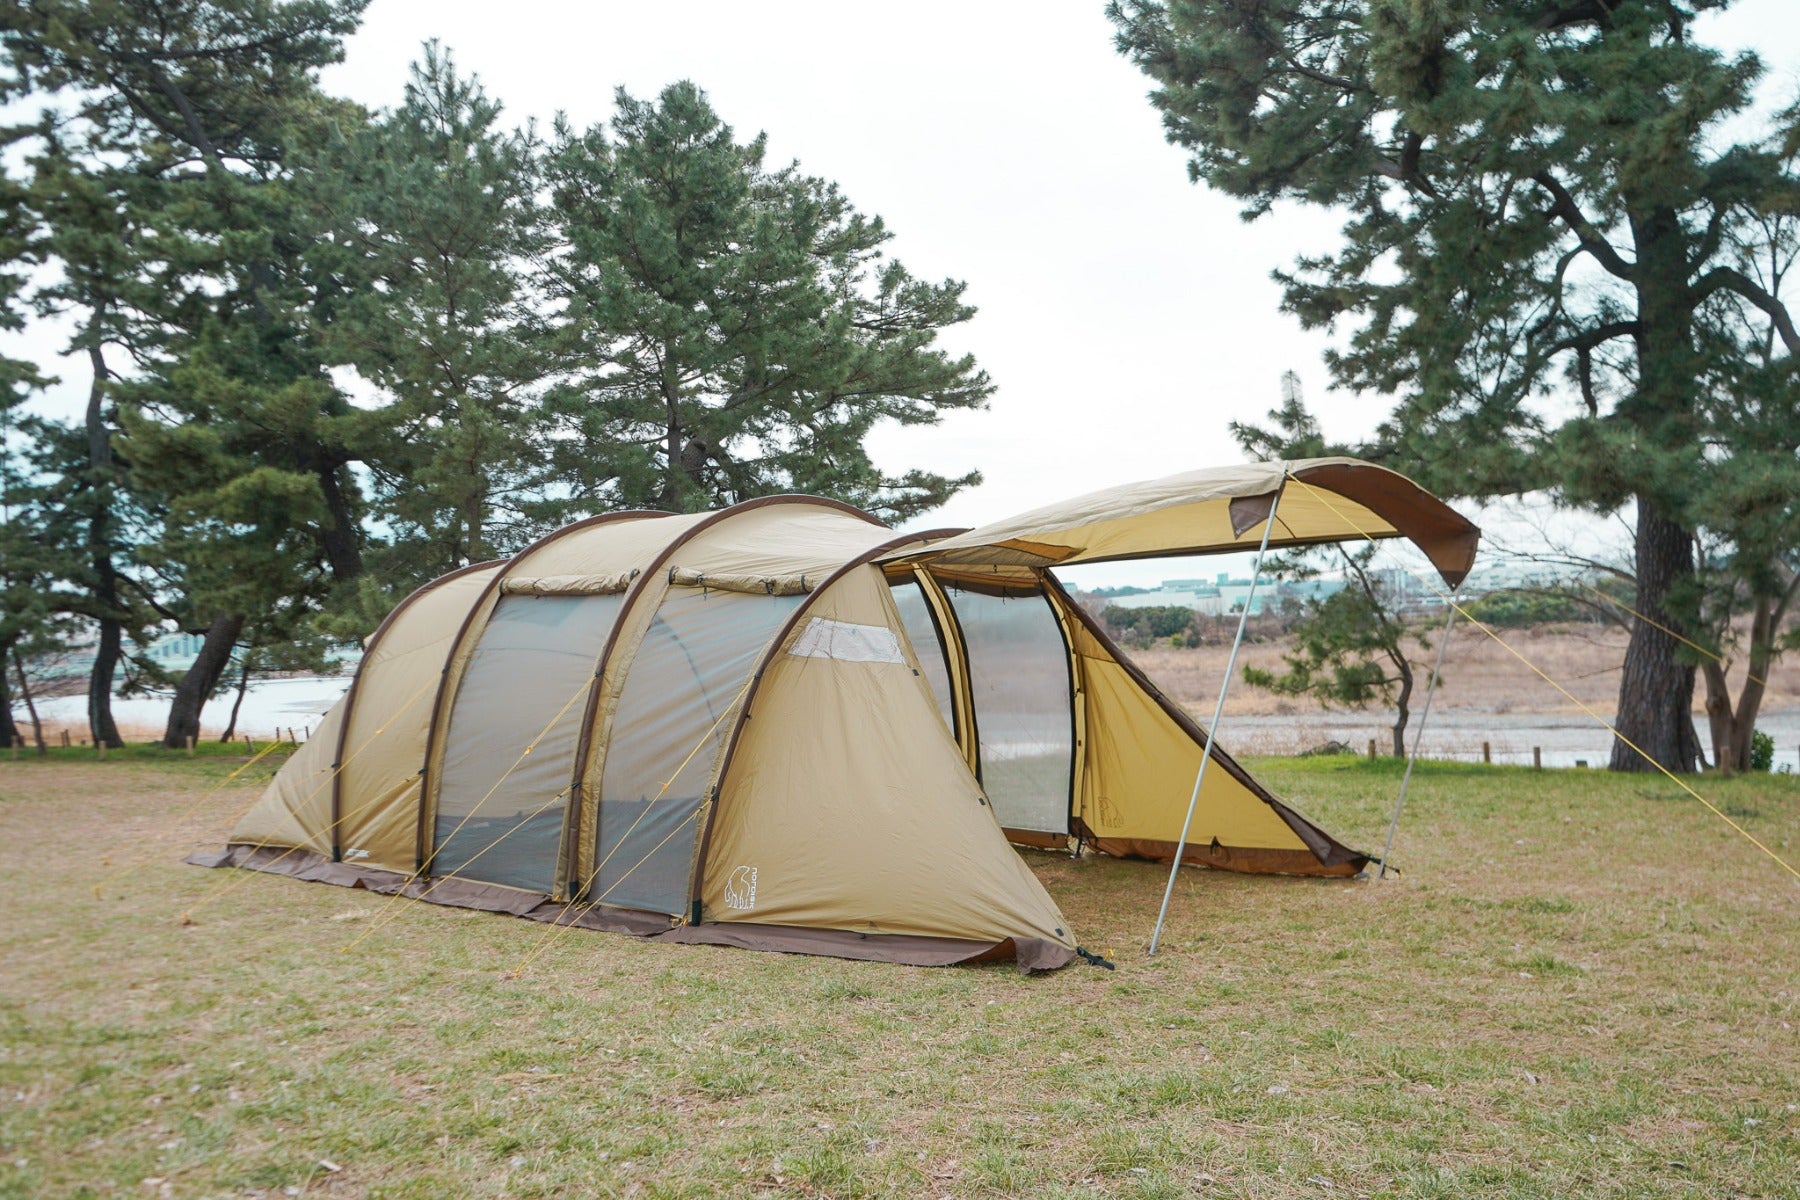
(430, 223)
(24, 578)
(208, 98)
(1542, 259)
(733, 330)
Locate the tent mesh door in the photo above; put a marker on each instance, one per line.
(1019, 677)
(674, 716)
(500, 811)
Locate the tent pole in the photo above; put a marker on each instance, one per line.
(1212, 730)
(1418, 735)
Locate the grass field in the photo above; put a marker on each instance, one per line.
(1584, 986)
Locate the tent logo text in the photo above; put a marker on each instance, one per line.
(740, 889)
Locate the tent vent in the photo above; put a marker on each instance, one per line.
(761, 585)
(847, 642)
(567, 585)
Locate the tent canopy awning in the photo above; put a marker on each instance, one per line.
(1215, 511)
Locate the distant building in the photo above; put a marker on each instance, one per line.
(1223, 595)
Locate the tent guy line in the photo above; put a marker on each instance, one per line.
(558, 923)
(172, 825)
(1636, 749)
(1696, 647)
(425, 864)
(230, 885)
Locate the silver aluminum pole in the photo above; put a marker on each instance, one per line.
(1212, 731)
(1418, 737)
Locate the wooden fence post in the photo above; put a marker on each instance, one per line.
(1537, 758)
(1371, 749)
(190, 745)
(1487, 752)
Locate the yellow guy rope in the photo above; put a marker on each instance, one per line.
(165, 840)
(1693, 645)
(399, 894)
(225, 888)
(558, 926)
(1673, 778)
(552, 932)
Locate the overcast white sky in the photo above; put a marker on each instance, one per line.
(1126, 314)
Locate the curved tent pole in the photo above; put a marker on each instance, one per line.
(1418, 737)
(1212, 730)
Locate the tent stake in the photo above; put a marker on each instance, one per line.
(1418, 736)
(1212, 731)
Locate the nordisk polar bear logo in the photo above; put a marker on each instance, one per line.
(740, 889)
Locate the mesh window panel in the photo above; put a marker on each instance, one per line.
(915, 619)
(1019, 675)
(500, 815)
(672, 721)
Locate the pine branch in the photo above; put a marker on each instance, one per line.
(1564, 206)
(1733, 280)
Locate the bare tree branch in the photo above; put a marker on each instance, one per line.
(1563, 206)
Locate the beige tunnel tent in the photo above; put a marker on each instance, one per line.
(784, 726)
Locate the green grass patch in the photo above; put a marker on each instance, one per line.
(1572, 990)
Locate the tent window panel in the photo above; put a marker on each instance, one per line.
(673, 719)
(915, 619)
(500, 811)
(1019, 678)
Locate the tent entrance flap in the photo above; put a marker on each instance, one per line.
(1019, 679)
(500, 809)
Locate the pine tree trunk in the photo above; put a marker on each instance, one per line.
(100, 683)
(1656, 690)
(1403, 707)
(237, 704)
(1733, 728)
(340, 536)
(201, 678)
(9, 729)
(1718, 714)
(101, 726)
(37, 725)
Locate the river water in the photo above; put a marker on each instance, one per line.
(273, 706)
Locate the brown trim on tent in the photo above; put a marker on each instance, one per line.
(1328, 850)
(1032, 954)
(697, 868)
(369, 648)
(1037, 839)
(447, 890)
(584, 743)
(956, 661)
(1060, 604)
(985, 583)
(1247, 512)
(427, 800)
(1248, 859)
(1446, 537)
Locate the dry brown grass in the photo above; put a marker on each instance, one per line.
(1480, 674)
(1584, 985)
